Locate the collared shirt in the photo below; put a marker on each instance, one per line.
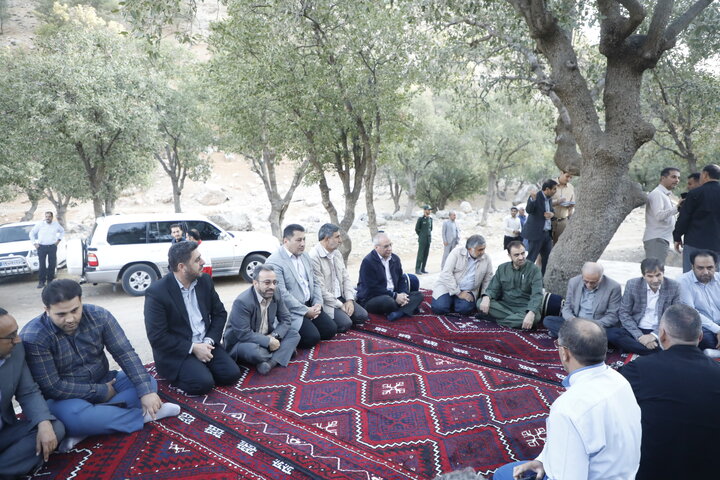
(512, 225)
(548, 222)
(264, 304)
(650, 317)
(388, 277)
(467, 283)
(593, 431)
(703, 297)
(46, 233)
(193, 309)
(335, 286)
(301, 272)
(659, 215)
(75, 366)
(587, 303)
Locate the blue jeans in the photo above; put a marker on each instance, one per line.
(446, 303)
(506, 472)
(82, 418)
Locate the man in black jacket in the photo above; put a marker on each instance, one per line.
(382, 287)
(678, 391)
(698, 225)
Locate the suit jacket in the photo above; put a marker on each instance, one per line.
(323, 271)
(634, 302)
(535, 223)
(452, 274)
(168, 325)
(678, 391)
(699, 219)
(289, 283)
(246, 316)
(16, 380)
(372, 281)
(607, 301)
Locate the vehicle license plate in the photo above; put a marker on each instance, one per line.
(12, 262)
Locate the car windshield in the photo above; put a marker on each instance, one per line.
(15, 234)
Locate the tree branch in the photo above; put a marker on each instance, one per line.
(681, 23)
(655, 34)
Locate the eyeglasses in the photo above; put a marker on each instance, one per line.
(558, 344)
(11, 337)
(267, 283)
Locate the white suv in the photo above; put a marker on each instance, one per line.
(133, 249)
(17, 253)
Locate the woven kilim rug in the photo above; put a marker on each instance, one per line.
(357, 406)
(529, 353)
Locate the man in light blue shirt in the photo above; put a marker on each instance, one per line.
(700, 289)
(45, 236)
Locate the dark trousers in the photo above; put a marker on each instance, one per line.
(17, 447)
(198, 378)
(709, 339)
(423, 252)
(553, 324)
(541, 247)
(322, 327)
(447, 303)
(384, 304)
(622, 339)
(47, 254)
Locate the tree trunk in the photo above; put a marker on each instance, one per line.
(98, 205)
(489, 196)
(176, 195)
(275, 218)
(370, 171)
(110, 205)
(30, 213)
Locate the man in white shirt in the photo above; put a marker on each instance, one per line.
(334, 281)
(593, 431)
(512, 227)
(45, 236)
(660, 212)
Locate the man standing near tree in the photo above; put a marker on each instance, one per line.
(563, 204)
(423, 228)
(538, 228)
(450, 236)
(45, 236)
(660, 211)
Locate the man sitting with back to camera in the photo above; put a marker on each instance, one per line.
(591, 295)
(259, 330)
(66, 354)
(382, 287)
(515, 294)
(466, 274)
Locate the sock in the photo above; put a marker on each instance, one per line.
(69, 443)
(167, 410)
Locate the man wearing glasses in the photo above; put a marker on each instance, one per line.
(259, 330)
(26, 443)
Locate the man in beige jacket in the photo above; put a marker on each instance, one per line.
(332, 276)
(466, 274)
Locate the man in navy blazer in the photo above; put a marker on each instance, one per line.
(678, 391)
(538, 227)
(382, 287)
(184, 319)
(26, 443)
(643, 304)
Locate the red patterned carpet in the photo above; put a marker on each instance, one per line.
(530, 354)
(358, 406)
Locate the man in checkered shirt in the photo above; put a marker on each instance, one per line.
(65, 349)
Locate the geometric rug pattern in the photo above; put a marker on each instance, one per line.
(356, 406)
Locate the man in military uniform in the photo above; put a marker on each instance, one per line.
(423, 228)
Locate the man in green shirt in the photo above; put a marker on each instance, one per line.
(423, 228)
(514, 296)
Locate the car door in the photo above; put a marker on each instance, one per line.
(218, 246)
(159, 241)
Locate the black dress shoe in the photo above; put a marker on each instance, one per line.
(424, 271)
(418, 272)
(41, 285)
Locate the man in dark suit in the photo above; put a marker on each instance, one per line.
(698, 225)
(591, 295)
(382, 287)
(26, 443)
(643, 304)
(678, 391)
(260, 330)
(538, 227)
(184, 319)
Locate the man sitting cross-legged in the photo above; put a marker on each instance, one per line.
(259, 330)
(466, 274)
(590, 295)
(514, 296)
(24, 443)
(382, 287)
(66, 354)
(643, 304)
(593, 430)
(678, 391)
(334, 281)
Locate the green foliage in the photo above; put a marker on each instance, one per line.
(148, 19)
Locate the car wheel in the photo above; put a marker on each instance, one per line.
(249, 264)
(137, 279)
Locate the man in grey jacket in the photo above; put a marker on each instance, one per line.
(590, 295)
(450, 236)
(334, 281)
